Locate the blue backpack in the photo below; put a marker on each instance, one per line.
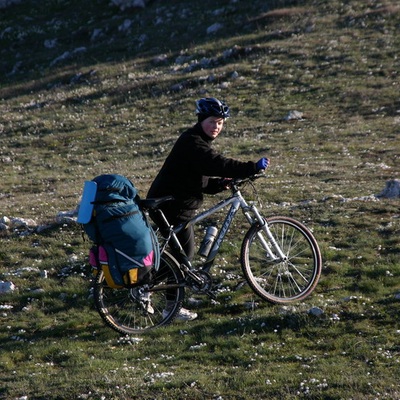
(126, 247)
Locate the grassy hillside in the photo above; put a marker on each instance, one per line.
(87, 89)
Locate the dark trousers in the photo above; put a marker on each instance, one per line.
(175, 216)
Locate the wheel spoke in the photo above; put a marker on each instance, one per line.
(281, 280)
(139, 309)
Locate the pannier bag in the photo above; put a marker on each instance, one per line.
(125, 245)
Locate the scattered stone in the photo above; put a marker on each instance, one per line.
(211, 78)
(351, 298)
(294, 115)
(97, 34)
(125, 26)
(224, 85)
(127, 4)
(129, 340)
(195, 302)
(182, 59)
(160, 59)
(37, 291)
(65, 217)
(17, 67)
(7, 3)
(250, 305)
(370, 197)
(142, 39)
(177, 87)
(6, 159)
(50, 43)
(42, 228)
(234, 75)
(82, 77)
(64, 56)
(26, 270)
(68, 55)
(22, 223)
(6, 287)
(5, 220)
(26, 226)
(333, 197)
(392, 189)
(316, 311)
(214, 28)
(287, 310)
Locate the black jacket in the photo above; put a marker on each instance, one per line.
(187, 170)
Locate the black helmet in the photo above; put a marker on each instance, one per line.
(212, 107)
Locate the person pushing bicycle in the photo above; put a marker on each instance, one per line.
(193, 168)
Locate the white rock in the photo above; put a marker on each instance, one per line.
(66, 216)
(294, 115)
(5, 220)
(6, 287)
(160, 59)
(22, 223)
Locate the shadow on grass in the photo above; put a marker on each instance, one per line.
(72, 30)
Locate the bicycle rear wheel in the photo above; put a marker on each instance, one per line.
(142, 308)
(282, 280)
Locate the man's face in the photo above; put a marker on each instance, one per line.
(212, 126)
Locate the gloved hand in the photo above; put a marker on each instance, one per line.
(262, 164)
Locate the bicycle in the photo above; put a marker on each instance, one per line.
(279, 257)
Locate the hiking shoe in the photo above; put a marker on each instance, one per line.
(183, 315)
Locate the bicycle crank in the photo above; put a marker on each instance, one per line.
(201, 282)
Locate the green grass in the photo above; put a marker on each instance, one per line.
(113, 108)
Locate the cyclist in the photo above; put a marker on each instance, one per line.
(190, 170)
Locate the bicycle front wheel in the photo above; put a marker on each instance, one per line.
(142, 308)
(282, 279)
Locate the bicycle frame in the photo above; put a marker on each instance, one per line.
(236, 201)
(276, 274)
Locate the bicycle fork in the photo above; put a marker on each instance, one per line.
(265, 228)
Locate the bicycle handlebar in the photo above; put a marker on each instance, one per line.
(241, 181)
(154, 203)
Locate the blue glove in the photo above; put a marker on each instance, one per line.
(262, 164)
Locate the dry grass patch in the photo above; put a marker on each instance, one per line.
(282, 13)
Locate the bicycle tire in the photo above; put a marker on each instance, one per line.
(282, 281)
(129, 310)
